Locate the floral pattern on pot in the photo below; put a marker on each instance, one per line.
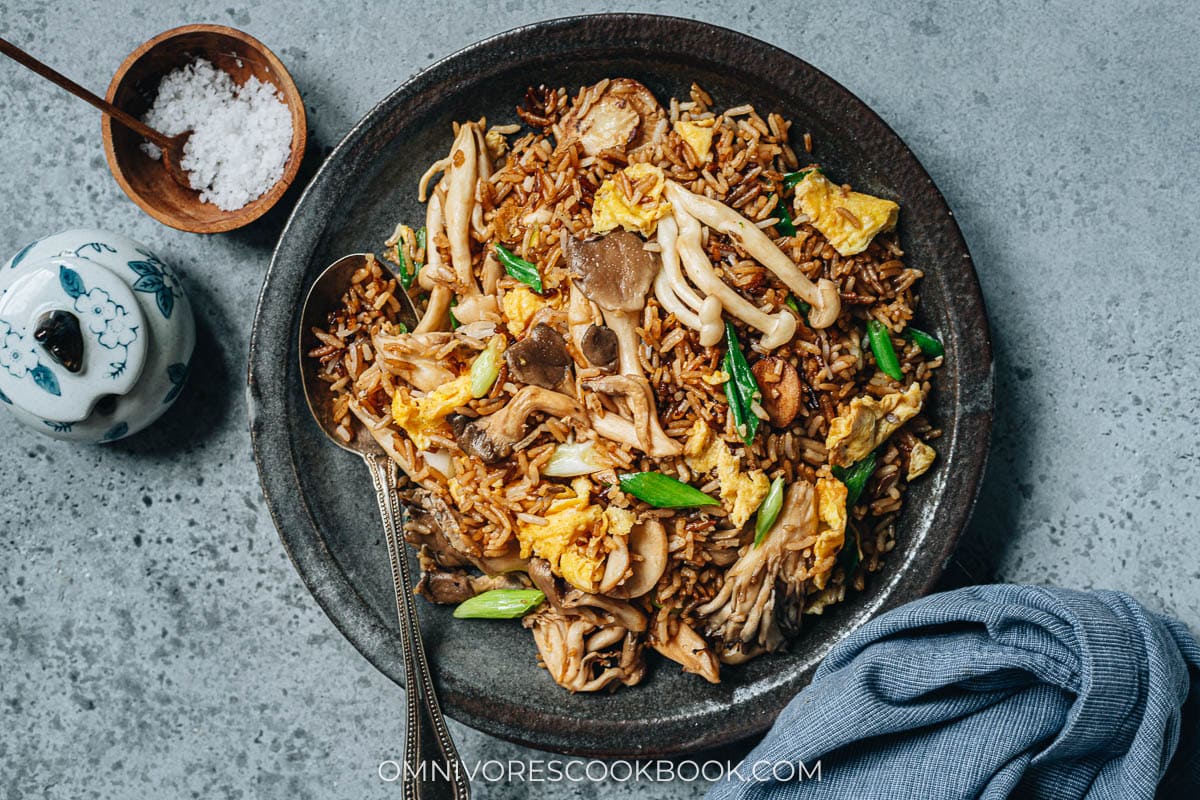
(155, 279)
(20, 358)
(110, 321)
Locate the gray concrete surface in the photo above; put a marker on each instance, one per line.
(154, 639)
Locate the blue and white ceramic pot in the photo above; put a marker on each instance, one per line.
(96, 335)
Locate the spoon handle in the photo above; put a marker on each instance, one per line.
(432, 768)
(128, 120)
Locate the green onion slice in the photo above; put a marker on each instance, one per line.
(500, 604)
(785, 225)
(741, 390)
(928, 344)
(855, 477)
(408, 272)
(486, 368)
(881, 346)
(768, 512)
(524, 271)
(663, 491)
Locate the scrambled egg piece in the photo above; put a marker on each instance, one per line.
(741, 492)
(867, 423)
(920, 460)
(698, 135)
(423, 416)
(831, 527)
(849, 232)
(519, 305)
(562, 541)
(612, 207)
(620, 520)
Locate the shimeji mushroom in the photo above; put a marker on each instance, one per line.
(822, 296)
(451, 211)
(777, 328)
(641, 428)
(679, 642)
(615, 272)
(677, 297)
(491, 438)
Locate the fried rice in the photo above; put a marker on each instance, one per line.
(523, 481)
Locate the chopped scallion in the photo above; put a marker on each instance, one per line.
(524, 271)
(663, 491)
(928, 344)
(500, 604)
(885, 353)
(741, 390)
(768, 512)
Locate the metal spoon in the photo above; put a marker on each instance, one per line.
(429, 752)
(171, 146)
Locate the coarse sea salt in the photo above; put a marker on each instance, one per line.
(241, 135)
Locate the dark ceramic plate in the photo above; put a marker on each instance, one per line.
(321, 497)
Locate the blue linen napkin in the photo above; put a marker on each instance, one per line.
(991, 692)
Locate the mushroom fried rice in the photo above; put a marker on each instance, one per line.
(664, 393)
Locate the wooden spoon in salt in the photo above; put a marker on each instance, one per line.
(171, 146)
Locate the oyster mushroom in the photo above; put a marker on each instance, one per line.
(491, 438)
(679, 642)
(620, 114)
(597, 609)
(762, 597)
(540, 359)
(822, 296)
(640, 428)
(576, 651)
(615, 272)
(777, 328)
(409, 356)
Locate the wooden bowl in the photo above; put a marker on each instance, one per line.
(134, 87)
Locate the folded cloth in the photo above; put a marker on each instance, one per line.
(989, 692)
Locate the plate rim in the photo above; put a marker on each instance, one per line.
(327, 582)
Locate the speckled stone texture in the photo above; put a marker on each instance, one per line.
(154, 639)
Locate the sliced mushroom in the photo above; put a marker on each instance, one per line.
(599, 346)
(626, 116)
(640, 428)
(491, 438)
(685, 647)
(777, 328)
(581, 312)
(540, 359)
(822, 296)
(780, 386)
(615, 272)
(648, 544)
(762, 598)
